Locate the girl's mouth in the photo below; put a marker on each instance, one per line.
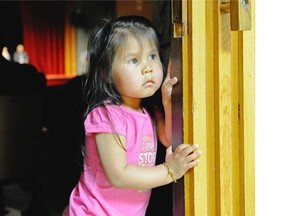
(148, 83)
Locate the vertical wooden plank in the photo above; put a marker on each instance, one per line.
(212, 56)
(177, 109)
(248, 113)
(177, 106)
(187, 97)
(243, 148)
(225, 144)
(199, 108)
(237, 153)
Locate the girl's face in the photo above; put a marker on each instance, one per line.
(137, 70)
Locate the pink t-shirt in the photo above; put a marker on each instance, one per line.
(94, 195)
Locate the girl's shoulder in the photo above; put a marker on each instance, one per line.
(105, 111)
(104, 119)
(114, 113)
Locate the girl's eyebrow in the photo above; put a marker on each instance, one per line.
(153, 50)
(130, 54)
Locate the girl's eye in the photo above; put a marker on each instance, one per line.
(133, 61)
(153, 56)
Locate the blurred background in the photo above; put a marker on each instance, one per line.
(41, 102)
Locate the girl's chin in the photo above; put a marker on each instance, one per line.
(148, 95)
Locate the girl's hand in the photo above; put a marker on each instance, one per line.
(167, 86)
(183, 158)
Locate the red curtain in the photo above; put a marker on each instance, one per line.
(43, 34)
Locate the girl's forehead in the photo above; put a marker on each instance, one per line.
(138, 42)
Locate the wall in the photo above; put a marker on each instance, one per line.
(136, 7)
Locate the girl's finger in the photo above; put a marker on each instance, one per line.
(193, 164)
(169, 150)
(193, 156)
(191, 149)
(194, 147)
(181, 147)
(173, 81)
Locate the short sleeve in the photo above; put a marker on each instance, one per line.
(105, 120)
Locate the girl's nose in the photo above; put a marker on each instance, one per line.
(147, 69)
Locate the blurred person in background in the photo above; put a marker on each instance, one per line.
(20, 55)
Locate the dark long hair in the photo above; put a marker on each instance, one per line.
(108, 35)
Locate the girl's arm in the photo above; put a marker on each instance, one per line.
(164, 126)
(123, 175)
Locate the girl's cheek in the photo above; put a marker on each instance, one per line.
(160, 77)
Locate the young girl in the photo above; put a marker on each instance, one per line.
(122, 123)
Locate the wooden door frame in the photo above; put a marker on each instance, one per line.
(213, 105)
(177, 105)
